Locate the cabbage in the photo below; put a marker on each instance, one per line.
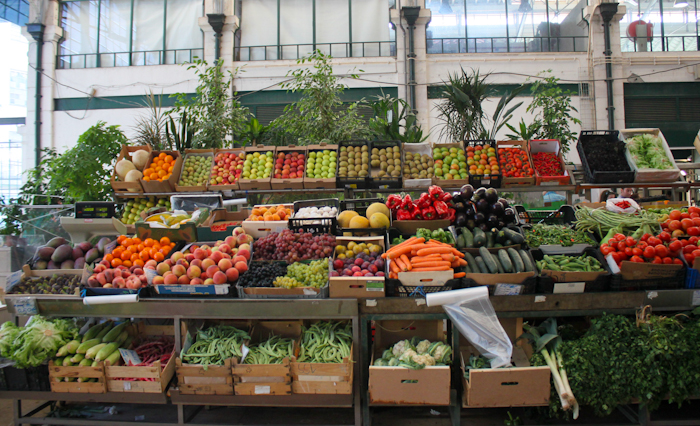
(40, 340)
(647, 152)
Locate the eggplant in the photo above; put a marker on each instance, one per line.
(491, 195)
(482, 205)
(504, 202)
(460, 206)
(457, 197)
(484, 227)
(460, 219)
(471, 224)
(492, 220)
(469, 210)
(501, 224)
(509, 215)
(497, 209)
(479, 194)
(467, 192)
(480, 218)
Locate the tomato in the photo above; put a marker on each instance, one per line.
(696, 221)
(678, 233)
(686, 223)
(619, 237)
(637, 251)
(694, 209)
(612, 242)
(661, 250)
(685, 215)
(696, 253)
(693, 230)
(689, 258)
(649, 252)
(629, 252)
(694, 240)
(637, 259)
(653, 241)
(642, 245)
(678, 262)
(631, 242)
(621, 246)
(694, 215)
(690, 248)
(646, 237)
(665, 236)
(667, 261)
(616, 256)
(606, 250)
(684, 242)
(674, 215)
(675, 246)
(622, 255)
(657, 260)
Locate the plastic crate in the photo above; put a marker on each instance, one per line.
(385, 182)
(564, 216)
(360, 206)
(667, 283)
(394, 288)
(545, 284)
(594, 176)
(351, 182)
(318, 225)
(529, 285)
(494, 180)
(25, 379)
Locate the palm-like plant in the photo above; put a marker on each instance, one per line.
(461, 110)
(151, 127)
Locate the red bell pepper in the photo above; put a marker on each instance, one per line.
(407, 203)
(424, 201)
(403, 215)
(450, 215)
(446, 197)
(393, 202)
(429, 213)
(435, 192)
(441, 208)
(416, 214)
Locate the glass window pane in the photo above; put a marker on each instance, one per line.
(332, 21)
(447, 20)
(370, 22)
(296, 25)
(148, 30)
(79, 22)
(258, 27)
(115, 18)
(182, 25)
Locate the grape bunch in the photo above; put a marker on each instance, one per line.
(262, 274)
(293, 247)
(314, 274)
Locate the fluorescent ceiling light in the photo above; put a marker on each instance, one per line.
(680, 3)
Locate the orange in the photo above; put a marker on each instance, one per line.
(170, 169)
(164, 241)
(165, 250)
(276, 217)
(152, 251)
(148, 171)
(121, 238)
(172, 245)
(137, 240)
(167, 176)
(162, 173)
(140, 247)
(134, 256)
(144, 255)
(127, 263)
(146, 178)
(108, 257)
(117, 252)
(154, 176)
(159, 257)
(148, 242)
(116, 262)
(156, 245)
(126, 255)
(139, 263)
(162, 155)
(168, 158)
(128, 242)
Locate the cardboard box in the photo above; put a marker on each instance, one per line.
(651, 175)
(494, 279)
(553, 146)
(452, 183)
(320, 183)
(194, 153)
(647, 271)
(228, 186)
(158, 378)
(516, 181)
(262, 228)
(423, 148)
(426, 279)
(283, 293)
(262, 183)
(297, 183)
(205, 233)
(358, 287)
(59, 372)
(121, 186)
(167, 185)
(410, 227)
(403, 386)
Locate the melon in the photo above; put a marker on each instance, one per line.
(140, 158)
(377, 208)
(379, 220)
(133, 176)
(345, 217)
(123, 167)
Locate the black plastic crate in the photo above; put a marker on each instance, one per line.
(360, 206)
(668, 283)
(595, 176)
(351, 182)
(385, 182)
(317, 225)
(494, 180)
(529, 285)
(394, 288)
(564, 216)
(545, 284)
(25, 379)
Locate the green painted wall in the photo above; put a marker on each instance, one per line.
(435, 92)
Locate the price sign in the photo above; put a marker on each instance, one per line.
(25, 306)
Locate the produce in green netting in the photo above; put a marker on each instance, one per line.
(215, 345)
(195, 170)
(325, 342)
(313, 274)
(39, 340)
(540, 234)
(133, 208)
(583, 263)
(415, 354)
(273, 351)
(321, 164)
(647, 152)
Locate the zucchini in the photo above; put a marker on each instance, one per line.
(490, 239)
(515, 237)
(471, 263)
(479, 237)
(460, 242)
(498, 265)
(501, 237)
(468, 237)
(505, 261)
(526, 261)
(518, 263)
(482, 266)
(488, 260)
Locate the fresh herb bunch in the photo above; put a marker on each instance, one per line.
(541, 234)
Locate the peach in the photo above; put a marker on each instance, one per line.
(232, 274)
(205, 247)
(196, 262)
(162, 268)
(212, 270)
(107, 286)
(206, 263)
(231, 241)
(170, 279)
(179, 270)
(126, 274)
(203, 276)
(183, 280)
(196, 281)
(105, 263)
(169, 262)
(239, 258)
(107, 276)
(208, 281)
(220, 278)
(151, 262)
(244, 239)
(214, 249)
(177, 256)
(119, 282)
(225, 264)
(238, 231)
(99, 268)
(115, 273)
(92, 281)
(200, 254)
(209, 252)
(194, 272)
(137, 271)
(168, 273)
(183, 262)
(234, 251)
(144, 280)
(226, 256)
(133, 283)
(241, 266)
(189, 257)
(225, 248)
(216, 256)
(245, 253)
(244, 246)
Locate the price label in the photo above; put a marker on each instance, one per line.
(375, 285)
(262, 390)
(508, 290)
(244, 353)
(25, 306)
(130, 357)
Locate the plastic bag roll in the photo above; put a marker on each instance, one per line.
(455, 296)
(103, 300)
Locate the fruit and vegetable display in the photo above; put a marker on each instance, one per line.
(482, 160)
(196, 170)
(268, 213)
(221, 263)
(605, 156)
(606, 223)
(432, 205)
(321, 164)
(481, 208)
(386, 162)
(358, 260)
(161, 168)
(39, 340)
(376, 216)
(583, 263)
(214, 345)
(57, 284)
(450, 163)
(353, 161)
(227, 168)
(130, 170)
(59, 254)
(514, 162)
(416, 354)
(173, 219)
(325, 342)
(417, 166)
(120, 276)
(258, 165)
(418, 255)
(133, 208)
(289, 165)
(272, 351)
(316, 212)
(293, 246)
(136, 252)
(660, 249)
(492, 238)
(647, 152)
(681, 224)
(540, 234)
(313, 274)
(504, 261)
(547, 164)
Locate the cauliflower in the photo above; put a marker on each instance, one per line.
(423, 346)
(401, 347)
(424, 360)
(408, 355)
(442, 353)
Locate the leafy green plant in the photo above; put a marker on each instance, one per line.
(523, 132)
(393, 121)
(253, 132)
(320, 113)
(552, 107)
(180, 136)
(501, 116)
(151, 127)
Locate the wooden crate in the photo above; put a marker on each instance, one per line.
(195, 379)
(162, 375)
(195, 153)
(517, 181)
(320, 378)
(56, 372)
(121, 186)
(262, 379)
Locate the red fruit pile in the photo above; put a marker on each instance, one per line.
(514, 162)
(119, 277)
(289, 165)
(547, 164)
(293, 247)
(681, 223)
(227, 168)
(662, 249)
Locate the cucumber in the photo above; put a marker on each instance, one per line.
(515, 237)
(471, 263)
(490, 239)
(479, 237)
(468, 237)
(518, 264)
(526, 261)
(505, 261)
(482, 266)
(115, 332)
(498, 265)
(488, 260)
(460, 242)
(501, 237)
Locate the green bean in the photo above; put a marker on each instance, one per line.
(325, 342)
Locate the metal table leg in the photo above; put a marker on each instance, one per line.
(364, 369)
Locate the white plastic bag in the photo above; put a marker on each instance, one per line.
(611, 205)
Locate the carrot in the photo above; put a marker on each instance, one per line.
(394, 268)
(406, 262)
(462, 262)
(393, 275)
(403, 250)
(408, 242)
(454, 264)
(431, 250)
(440, 243)
(430, 269)
(457, 252)
(450, 257)
(431, 264)
(400, 264)
(459, 275)
(415, 259)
